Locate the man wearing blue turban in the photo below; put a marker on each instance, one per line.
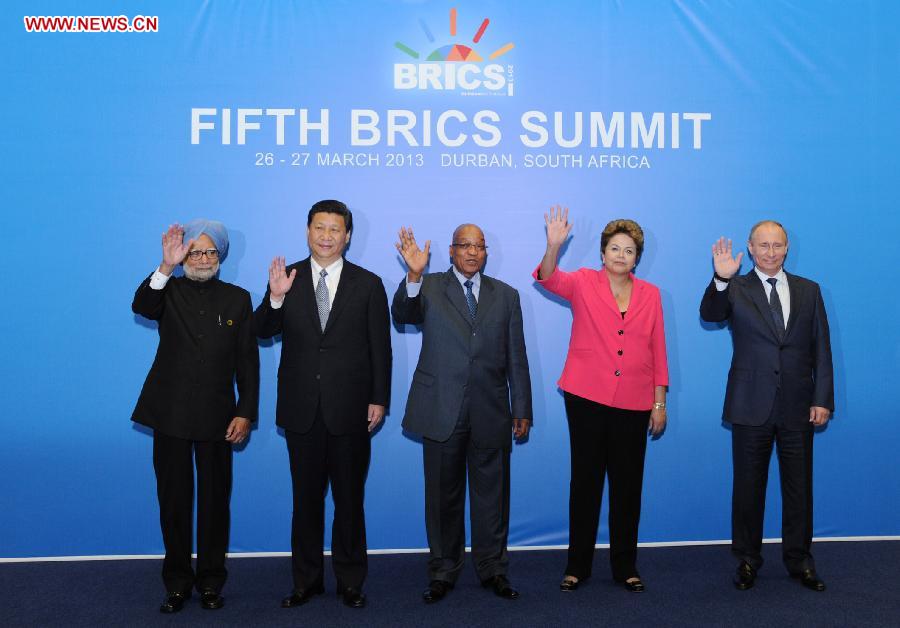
(206, 344)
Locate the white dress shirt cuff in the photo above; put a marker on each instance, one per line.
(276, 305)
(158, 280)
(412, 289)
(720, 285)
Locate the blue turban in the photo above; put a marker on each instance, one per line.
(213, 228)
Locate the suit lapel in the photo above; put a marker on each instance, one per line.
(486, 298)
(758, 295)
(604, 292)
(454, 292)
(638, 298)
(344, 290)
(307, 292)
(796, 295)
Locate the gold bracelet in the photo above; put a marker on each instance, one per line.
(659, 405)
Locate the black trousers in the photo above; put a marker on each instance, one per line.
(174, 460)
(318, 458)
(751, 448)
(446, 464)
(611, 442)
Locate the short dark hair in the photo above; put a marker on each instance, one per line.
(629, 228)
(331, 207)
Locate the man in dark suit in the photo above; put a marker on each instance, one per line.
(780, 387)
(471, 367)
(206, 343)
(333, 387)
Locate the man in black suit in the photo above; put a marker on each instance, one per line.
(206, 343)
(780, 387)
(471, 367)
(333, 387)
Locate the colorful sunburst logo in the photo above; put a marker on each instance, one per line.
(455, 52)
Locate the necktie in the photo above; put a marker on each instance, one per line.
(775, 306)
(470, 299)
(322, 298)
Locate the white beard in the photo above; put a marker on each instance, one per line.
(197, 274)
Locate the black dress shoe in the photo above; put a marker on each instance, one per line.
(174, 602)
(501, 587)
(810, 580)
(301, 596)
(744, 577)
(211, 600)
(635, 586)
(568, 584)
(436, 591)
(353, 598)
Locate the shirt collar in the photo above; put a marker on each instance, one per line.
(780, 275)
(476, 278)
(331, 268)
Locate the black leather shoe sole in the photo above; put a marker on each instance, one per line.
(810, 580)
(635, 586)
(437, 590)
(210, 600)
(353, 598)
(173, 603)
(299, 598)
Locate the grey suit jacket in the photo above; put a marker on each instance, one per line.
(484, 360)
(799, 363)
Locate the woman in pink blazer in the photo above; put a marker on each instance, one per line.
(614, 384)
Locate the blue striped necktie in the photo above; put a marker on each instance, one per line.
(470, 299)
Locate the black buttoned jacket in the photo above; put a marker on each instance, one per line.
(206, 344)
(343, 369)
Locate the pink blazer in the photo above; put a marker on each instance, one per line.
(611, 361)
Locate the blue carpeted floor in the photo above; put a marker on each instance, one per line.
(686, 586)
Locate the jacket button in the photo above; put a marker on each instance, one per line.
(202, 312)
(621, 331)
(618, 372)
(776, 372)
(199, 335)
(619, 352)
(318, 376)
(321, 350)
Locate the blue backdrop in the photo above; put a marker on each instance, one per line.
(696, 119)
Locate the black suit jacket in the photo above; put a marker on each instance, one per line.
(485, 360)
(344, 368)
(206, 343)
(799, 364)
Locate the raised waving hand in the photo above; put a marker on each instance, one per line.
(416, 259)
(280, 281)
(174, 248)
(725, 263)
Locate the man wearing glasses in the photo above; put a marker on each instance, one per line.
(470, 393)
(206, 344)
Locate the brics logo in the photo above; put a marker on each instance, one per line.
(455, 67)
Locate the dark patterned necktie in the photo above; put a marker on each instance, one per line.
(322, 298)
(470, 299)
(775, 306)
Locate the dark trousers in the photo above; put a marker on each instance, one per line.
(174, 460)
(445, 466)
(317, 458)
(751, 448)
(611, 442)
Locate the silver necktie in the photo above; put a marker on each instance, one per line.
(322, 299)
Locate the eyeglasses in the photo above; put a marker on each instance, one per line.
(468, 246)
(211, 254)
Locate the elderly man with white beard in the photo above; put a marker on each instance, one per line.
(206, 345)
